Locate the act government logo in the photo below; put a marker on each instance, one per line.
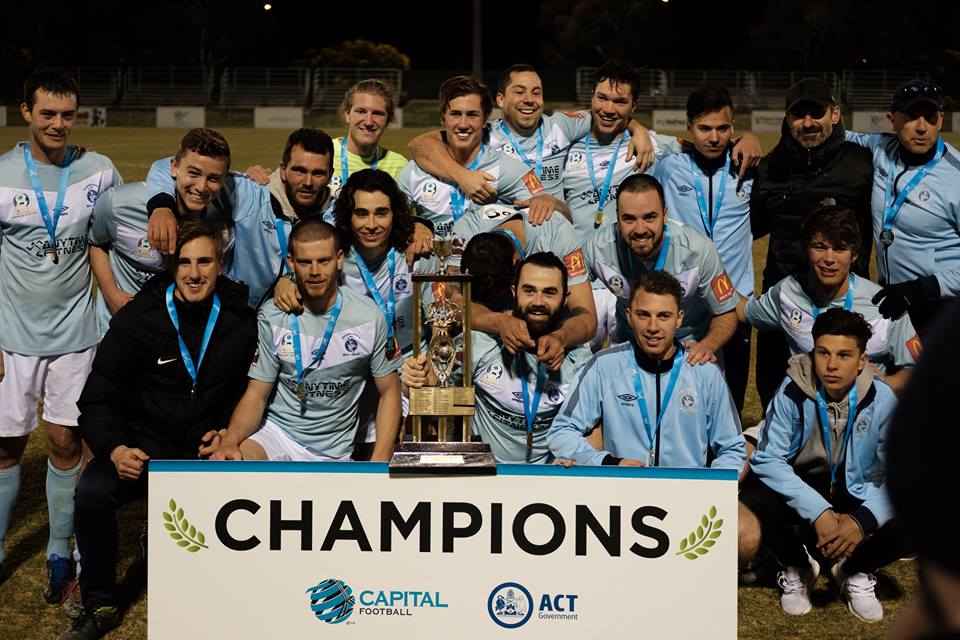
(511, 605)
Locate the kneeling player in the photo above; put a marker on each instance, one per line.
(819, 465)
(321, 360)
(685, 412)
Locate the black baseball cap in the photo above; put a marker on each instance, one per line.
(810, 90)
(915, 92)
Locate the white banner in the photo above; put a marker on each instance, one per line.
(766, 120)
(91, 117)
(277, 117)
(309, 550)
(181, 117)
(669, 120)
(871, 122)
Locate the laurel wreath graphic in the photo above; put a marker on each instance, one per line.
(182, 531)
(698, 543)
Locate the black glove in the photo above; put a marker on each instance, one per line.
(896, 299)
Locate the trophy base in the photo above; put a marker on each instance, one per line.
(443, 458)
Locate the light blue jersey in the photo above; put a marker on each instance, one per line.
(326, 422)
(549, 145)
(788, 306)
(120, 228)
(691, 258)
(927, 229)
(582, 194)
(729, 228)
(500, 419)
(47, 308)
(699, 419)
(437, 201)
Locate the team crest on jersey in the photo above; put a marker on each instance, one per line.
(923, 196)
(428, 192)
(554, 148)
(722, 287)
(616, 285)
(92, 192)
(575, 159)
(688, 400)
(795, 318)
(21, 203)
(914, 347)
(553, 393)
(861, 427)
(335, 182)
(143, 250)
(575, 264)
(286, 346)
(351, 342)
(509, 150)
(400, 284)
(491, 377)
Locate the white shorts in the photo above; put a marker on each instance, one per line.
(279, 446)
(57, 379)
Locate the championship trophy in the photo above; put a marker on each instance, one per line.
(446, 401)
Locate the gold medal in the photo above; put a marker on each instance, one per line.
(598, 219)
(52, 252)
(301, 391)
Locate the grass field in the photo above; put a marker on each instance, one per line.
(24, 615)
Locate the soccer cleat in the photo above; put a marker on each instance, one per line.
(795, 585)
(60, 572)
(858, 590)
(92, 624)
(72, 603)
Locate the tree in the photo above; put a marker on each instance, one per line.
(358, 53)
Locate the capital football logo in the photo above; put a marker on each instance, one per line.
(331, 601)
(92, 193)
(351, 343)
(400, 284)
(510, 605)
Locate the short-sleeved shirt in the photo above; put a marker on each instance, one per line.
(788, 307)
(691, 258)
(47, 309)
(500, 419)
(555, 235)
(431, 196)
(731, 231)
(120, 228)
(559, 131)
(389, 161)
(579, 192)
(326, 423)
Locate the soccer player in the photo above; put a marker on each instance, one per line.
(260, 221)
(703, 191)
(302, 400)
(48, 327)
(832, 238)
(916, 206)
(644, 240)
(120, 255)
(170, 369)
(810, 166)
(368, 107)
(820, 466)
(685, 412)
(524, 132)
(465, 106)
(555, 236)
(517, 396)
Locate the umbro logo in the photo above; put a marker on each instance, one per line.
(627, 397)
(684, 188)
(518, 396)
(161, 361)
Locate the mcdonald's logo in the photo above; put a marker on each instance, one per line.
(576, 267)
(722, 287)
(914, 347)
(533, 183)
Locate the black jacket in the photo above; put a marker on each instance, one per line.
(793, 181)
(139, 392)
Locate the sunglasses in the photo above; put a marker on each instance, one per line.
(804, 109)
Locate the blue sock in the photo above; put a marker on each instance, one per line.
(9, 488)
(61, 487)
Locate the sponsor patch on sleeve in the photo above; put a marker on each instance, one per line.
(576, 267)
(914, 347)
(533, 183)
(574, 114)
(256, 355)
(722, 287)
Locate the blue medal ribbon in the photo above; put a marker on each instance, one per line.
(207, 333)
(49, 222)
(390, 306)
(709, 218)
(321, 350)
(847, 300)
(891, 206)
(530, 407)
(825, 427)
(602, 193)
(457, 199)
(514, 239)
(344, 165)
(652, 430)
(538, 165)
(661, 257)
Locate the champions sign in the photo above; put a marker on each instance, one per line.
(308, 550)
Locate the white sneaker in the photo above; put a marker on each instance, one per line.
(795, 584)
(858, 590)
